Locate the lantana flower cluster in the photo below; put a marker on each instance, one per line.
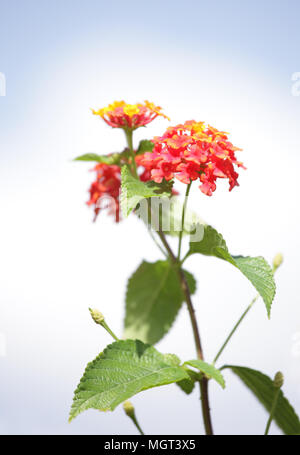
(188, 152)
(129, 116)
(106, 187)
(105, 190)
(193, 151)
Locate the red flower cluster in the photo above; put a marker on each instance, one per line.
(193, 151)
(129, 116)
(104, 191)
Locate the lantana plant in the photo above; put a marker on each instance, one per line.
(140, 182)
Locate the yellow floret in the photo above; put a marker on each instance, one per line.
(131, 109)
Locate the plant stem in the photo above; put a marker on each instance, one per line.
(234, 329)
(149, 222)
(134, 419)
(204, 382)
(277, 391)
(129, 134)
(183, 219)
(156, 242)
(184, 258)
(105, 326)
(205, 406)
(187, 294)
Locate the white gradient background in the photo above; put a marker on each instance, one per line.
(228, 63)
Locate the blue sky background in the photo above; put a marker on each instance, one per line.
(228, 63)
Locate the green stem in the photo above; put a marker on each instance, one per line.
(272, 411)
(149, 222)
(183, 219)
(234, 329)
(185, 257)
(134, 419)
(129, 134)
(105, 326)
(156, 242)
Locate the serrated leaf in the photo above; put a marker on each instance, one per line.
(124, 369)
(154, 297)
(134, 190)
(209, 370)
(263, 388)
(256, 269)
(145, 146)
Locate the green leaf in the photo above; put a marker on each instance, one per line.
(209, 370)
(145, 146)
(256, 269)
(188, 385)
(133, 190)
(263, 388)
(172, 359)
(212, 244)
(124, 369)
(154, 297)
(113, 158)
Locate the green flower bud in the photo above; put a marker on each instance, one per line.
(278, 380)
(97, 316)
(277, 261)
(99, 319)
(128, 408)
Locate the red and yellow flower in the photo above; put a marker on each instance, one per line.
(193, 151)
(129, 116)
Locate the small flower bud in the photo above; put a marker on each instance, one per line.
(97, 316)
(128, 408)
(278, 380)
(99, 319)
(277, 261)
